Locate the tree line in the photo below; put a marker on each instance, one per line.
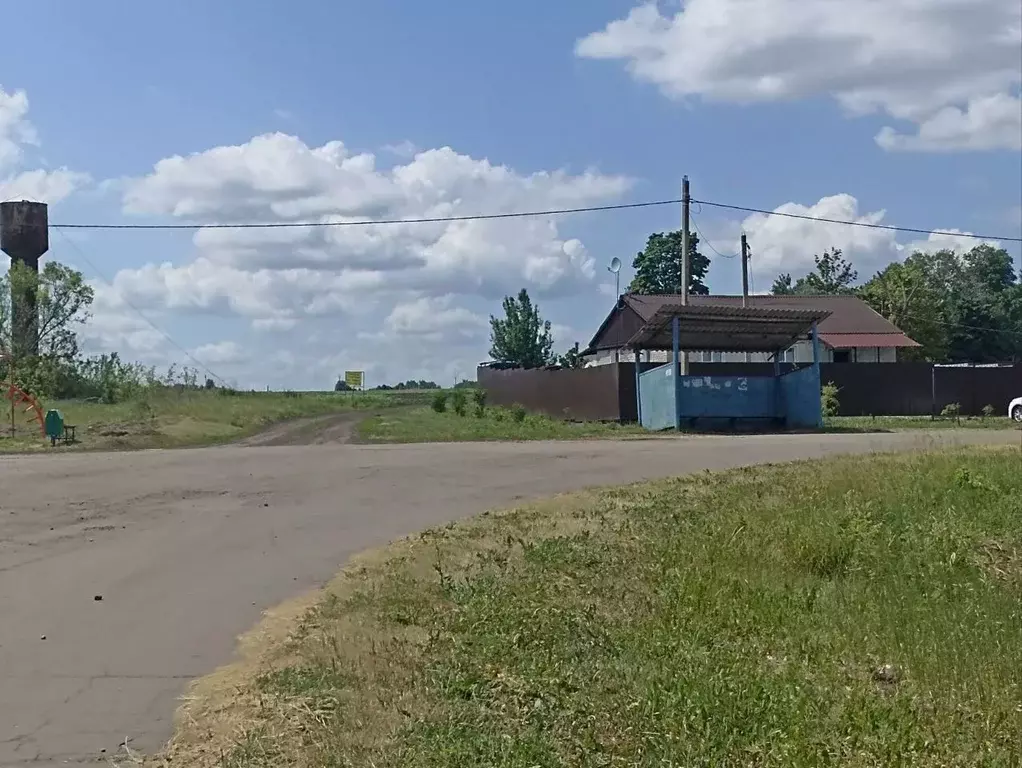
(960, 307)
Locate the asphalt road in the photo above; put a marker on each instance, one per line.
(187, 548)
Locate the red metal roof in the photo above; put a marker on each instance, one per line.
(850, 340)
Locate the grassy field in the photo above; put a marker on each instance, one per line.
(856, 612)
(900, 423)
(422, 424)
(175, 417)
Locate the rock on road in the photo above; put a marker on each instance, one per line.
(125, 575)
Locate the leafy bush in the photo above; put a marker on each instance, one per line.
(439, 404)
(105, 378)
(479, 398)
(988, 411)
(829, 401)
(143, 413)
(518, 413)
(952, 411)
(459, 401)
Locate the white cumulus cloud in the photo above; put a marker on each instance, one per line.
(220, 353)
(783, 244)
(276, 275)
(396, 299)
(951, 68)
(16, 133)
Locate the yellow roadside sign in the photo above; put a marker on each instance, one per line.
(355, 379)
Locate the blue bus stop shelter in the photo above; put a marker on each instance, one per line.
(667, 399)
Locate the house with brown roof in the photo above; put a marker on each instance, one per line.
(852, 333)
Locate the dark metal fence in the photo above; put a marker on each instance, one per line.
(607, 392)
(587, 394)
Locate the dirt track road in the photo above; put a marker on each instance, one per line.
(186, 548)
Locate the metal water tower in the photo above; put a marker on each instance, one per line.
(25, 237)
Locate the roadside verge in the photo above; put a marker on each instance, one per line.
(850, 609)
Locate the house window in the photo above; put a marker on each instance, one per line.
(842, 355)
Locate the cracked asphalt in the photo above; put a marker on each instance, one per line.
(187, 548)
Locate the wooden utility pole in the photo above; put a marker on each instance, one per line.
(745, 279)
(685, 204)
(745, 270)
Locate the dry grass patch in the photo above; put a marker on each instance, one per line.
(860, 611)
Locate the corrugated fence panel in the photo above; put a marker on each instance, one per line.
(587, 394)
(800, 395)
(728, 397)
(607, 392)
(656, 389)
(974, 388)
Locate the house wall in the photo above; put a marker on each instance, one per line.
(800, 352)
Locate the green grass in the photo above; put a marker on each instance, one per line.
(899, 423)
(177, 418)
(422, 424)
(855, 612)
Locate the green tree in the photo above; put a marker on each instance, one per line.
(961, 308)
(980, 304)
(833, 275)
(782, 285)
(521, 338)
(658, 265)
(62, 299)
(572, 358)
(905, 294)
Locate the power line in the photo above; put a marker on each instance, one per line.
(867, 225)
(1005, 331)
(371, 222)
(139, 312)
(522, 215)
(703, 239)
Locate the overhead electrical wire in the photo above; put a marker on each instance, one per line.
(526, 214)
(866, 224)
(154, 326)
(497, 216)
(379, 222)
(705, 241)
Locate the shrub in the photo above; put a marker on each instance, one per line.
(143, 413)
(498, 414)
(479, 398)
(459, 401)
(439, 404)
(952, 411)
(518, 413)
(988, 411)
(829, 401)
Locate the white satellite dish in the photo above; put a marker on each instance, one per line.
(615, 269)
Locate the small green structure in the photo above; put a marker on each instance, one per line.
(57, 429)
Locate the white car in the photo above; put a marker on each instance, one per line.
(1015, 409)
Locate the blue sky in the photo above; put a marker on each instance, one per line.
(875, 110)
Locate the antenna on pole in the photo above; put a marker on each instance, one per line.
(615, 269)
